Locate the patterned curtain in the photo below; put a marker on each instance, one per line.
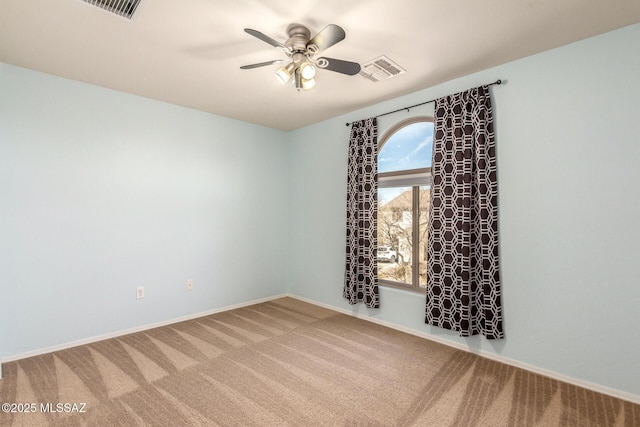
(463, 282)
(361, 273)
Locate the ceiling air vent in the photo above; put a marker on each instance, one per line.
(124, 8)
(381, 69)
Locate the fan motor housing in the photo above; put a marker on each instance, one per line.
(298, 37)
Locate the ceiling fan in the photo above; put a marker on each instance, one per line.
(302, 51)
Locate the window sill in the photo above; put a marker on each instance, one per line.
(396, 285)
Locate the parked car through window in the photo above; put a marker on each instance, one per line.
(386, 253)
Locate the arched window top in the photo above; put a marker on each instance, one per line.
(407, 146)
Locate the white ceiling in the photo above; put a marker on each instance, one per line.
(189, 52)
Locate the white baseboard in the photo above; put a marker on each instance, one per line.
(67, 345)
(498, 358)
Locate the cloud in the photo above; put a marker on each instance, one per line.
(425, 143)
(409, 148)
(409, 158)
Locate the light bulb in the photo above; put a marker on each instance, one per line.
(307, 70)
(308, 84)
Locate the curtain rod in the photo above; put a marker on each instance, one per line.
(497, 82)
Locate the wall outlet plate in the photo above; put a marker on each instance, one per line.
(140, 292)
(189, 284)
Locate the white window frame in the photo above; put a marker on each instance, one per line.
(414, 178)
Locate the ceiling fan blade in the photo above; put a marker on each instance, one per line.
(261, 64)
(330, 35)
(340, 66)
(265, 38)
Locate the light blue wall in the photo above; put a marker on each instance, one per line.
(568, 137)
(102, 192)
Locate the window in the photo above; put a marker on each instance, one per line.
(404, 177)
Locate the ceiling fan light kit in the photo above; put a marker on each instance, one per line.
(301, 51)
(301, 68)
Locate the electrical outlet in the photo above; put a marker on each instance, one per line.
(189, 284)
(140, 292)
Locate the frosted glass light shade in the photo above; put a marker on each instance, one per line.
(308, 84)
(284, 74)
(307, 71)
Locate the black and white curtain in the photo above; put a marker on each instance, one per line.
(463, 282)
(361, 272)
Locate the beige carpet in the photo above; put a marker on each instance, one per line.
(286, 362)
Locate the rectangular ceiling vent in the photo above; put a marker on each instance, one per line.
(124, 8)
(381, 69)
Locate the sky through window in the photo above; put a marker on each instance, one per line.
(408, 148)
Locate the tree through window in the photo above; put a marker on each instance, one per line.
(404, 176)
